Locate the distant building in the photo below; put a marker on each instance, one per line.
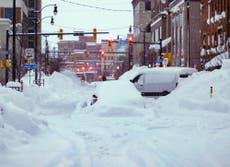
(91, 61)
(215, 33)
(81, 56)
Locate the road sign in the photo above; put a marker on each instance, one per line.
(33, 66)
(123, 42)
(29, 52)
(6, 52)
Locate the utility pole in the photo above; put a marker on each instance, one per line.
(144, 46)
(161, 58)
(130, 47)
(14, 43)
(46, 57)
(188, 34)
(35, 45)
(7, 57)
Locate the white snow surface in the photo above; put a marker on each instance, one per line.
(50, 127)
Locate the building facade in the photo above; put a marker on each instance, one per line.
(142, 11)
(160, 31)
(175, 31)
(21, 20)
(34, 6)
(185, 32)
(215, 33)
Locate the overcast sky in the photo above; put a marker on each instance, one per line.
(74, 16)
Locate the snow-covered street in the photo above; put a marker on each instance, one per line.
(49, 126)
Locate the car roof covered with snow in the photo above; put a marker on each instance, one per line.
(180, 71)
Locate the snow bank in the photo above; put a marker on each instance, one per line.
(226, 64)
(115, 97)
(189, 127)
(198, 97)
(60, 94)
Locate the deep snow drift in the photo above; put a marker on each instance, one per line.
(50, 127)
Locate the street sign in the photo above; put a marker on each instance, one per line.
(29, 52)
(33, 66)
(6, 52)
(123, 42)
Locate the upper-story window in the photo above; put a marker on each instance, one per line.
(9, 13)
(148, 5)
(31, 3)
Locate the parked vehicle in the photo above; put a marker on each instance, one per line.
(156, 82)
(183, 72)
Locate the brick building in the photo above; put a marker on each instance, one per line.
(215, 31)
(22, 22)
(81, 56)
(25, 17)
(172, 28)
(160, 31)
(185, 32)
(142, 12)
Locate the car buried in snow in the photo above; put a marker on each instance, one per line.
(155, 82)
(160, 81)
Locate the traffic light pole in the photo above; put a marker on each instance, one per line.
(161, 58)
(130, 56)
(144, 46)
(35, 47)
(14, 43)
(36, 34)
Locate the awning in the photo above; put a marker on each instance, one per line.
(165, 42)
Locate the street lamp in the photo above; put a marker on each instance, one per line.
(36, 35)
(188, 34)
(51, 19)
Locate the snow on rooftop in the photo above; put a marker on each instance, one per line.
(176, 8)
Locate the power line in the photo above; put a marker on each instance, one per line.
(95, 7)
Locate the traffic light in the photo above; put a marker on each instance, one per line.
(60, 35)
(95, 34)
(8, 63)
(109, 42)
(102, 52)
(130, 40)
(2, 64)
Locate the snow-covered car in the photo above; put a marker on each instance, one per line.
(156, 82)
(183, 72)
